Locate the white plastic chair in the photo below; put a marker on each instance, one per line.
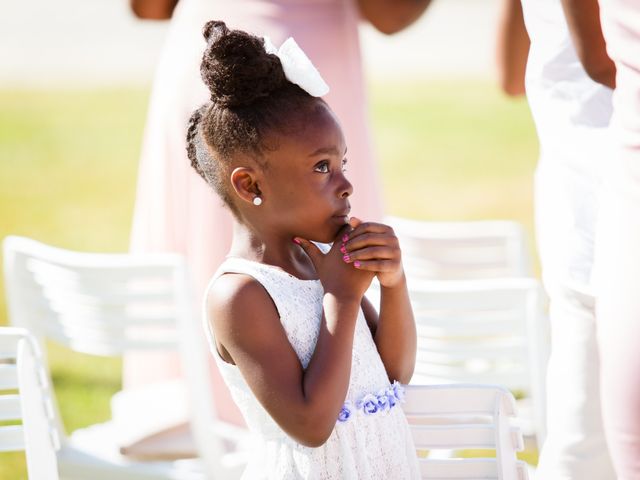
(109, 304)
(460, 417)
(25, 397)
(462, 250)
(489, 267)
(484, 331)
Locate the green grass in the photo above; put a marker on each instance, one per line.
(453, 150)
(67, 176)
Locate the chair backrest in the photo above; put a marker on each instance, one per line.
(27, 400)
(462, 417)
(462, 250)
(101, 304)
(108, 304)
(483, 331)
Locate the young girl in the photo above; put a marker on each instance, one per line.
(313, 368)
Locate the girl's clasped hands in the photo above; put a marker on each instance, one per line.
(360, 251)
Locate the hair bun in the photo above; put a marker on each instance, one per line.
(215, 28)
(236, 67)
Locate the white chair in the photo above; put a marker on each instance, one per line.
(463, 417)
(482, 279)
(484, 331)
(21, 370)
(109, 304)
(462, 250)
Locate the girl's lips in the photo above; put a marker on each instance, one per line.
(343, 213)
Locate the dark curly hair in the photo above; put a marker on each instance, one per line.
(250, 98)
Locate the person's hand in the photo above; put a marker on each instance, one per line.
(374, 247)
(336, 272)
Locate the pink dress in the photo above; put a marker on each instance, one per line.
(176, 211)
(618, 245)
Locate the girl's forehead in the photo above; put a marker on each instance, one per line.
(320, 130)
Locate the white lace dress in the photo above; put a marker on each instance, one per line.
(362, 446)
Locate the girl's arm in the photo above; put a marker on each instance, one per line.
(304, 402)
(396, 333)
(391, 16)
(374, 247)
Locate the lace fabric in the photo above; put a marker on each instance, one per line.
(365, 447)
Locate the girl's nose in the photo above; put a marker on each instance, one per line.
(346, 189)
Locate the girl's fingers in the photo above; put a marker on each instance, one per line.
(369, 233)
(371, 227)
(354, 222)
(312, 251)
(377, 266)
(341, 237)
(373, 247)
(370, 239)
(372, 253)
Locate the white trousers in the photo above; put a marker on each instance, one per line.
(618, 246)
(566, 206)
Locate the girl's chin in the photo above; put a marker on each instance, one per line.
(325, 237)
(327, 234)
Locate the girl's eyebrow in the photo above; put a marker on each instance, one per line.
(327, 151)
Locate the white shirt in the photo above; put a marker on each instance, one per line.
(571, 111)
(572, 114)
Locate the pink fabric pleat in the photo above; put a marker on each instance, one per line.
(618, 246)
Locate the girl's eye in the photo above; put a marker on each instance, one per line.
(344, 165)
(322, 167)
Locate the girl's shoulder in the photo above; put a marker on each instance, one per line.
(232, 291)
(232, 286)
(240, 284)
(238, 310)
(270, 276)
(234, 276)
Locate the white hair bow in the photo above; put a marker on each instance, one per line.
(297, 67)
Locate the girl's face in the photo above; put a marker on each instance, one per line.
(305, 191)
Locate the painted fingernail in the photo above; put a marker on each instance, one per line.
(343, 249)
(295, 240)
(345, 238)
(346, 258)
(356, 264)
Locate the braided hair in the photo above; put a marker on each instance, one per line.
(250, 97)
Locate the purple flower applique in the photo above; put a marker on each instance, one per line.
(398, 390)
(369, 404)
(391, 397)
(383, 400)
(345, 412)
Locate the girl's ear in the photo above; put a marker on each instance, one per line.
(245, 183)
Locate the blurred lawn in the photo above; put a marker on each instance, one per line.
(449, 150)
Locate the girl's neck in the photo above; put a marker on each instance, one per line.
(283, 253)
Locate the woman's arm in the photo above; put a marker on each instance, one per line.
(512, 48)
(391, 16)
(583, 19)
(153, 9)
